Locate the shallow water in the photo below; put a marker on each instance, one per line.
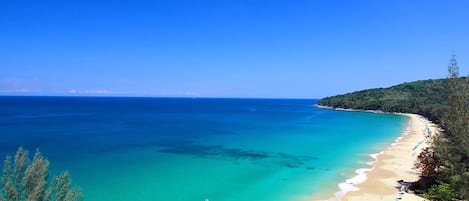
(196, 149)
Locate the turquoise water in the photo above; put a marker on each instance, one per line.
(195, 149)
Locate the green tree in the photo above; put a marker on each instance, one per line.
(452, 147)
(441, 192)
(29, 181)
(453, 67)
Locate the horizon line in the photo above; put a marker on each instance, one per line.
(118, 96)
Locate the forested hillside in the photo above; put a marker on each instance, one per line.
(425, 97)
(445, 165)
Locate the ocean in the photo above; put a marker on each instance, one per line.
(196, 149)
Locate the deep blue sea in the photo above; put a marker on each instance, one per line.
(155, 149)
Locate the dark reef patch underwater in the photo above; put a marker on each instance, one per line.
(193, 149)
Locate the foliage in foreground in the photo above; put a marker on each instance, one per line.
(29, 181)
(452, 148)
(441, 191)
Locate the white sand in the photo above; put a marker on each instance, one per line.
(395, 163)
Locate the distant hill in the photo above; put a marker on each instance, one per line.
(425, 97)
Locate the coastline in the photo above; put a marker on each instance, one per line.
(379, 181)
(351, 110)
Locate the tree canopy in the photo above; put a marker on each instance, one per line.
(30, 181)
(425, 97)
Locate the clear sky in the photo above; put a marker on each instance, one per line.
(232, 48)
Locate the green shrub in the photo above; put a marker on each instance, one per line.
(441, 192)
(29, 181)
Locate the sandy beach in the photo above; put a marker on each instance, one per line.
(380, 181)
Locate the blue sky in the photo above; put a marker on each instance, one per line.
(233, 48)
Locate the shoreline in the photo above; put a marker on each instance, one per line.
(379, 180)
(352, 110)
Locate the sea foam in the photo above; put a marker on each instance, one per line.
(350, 185)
